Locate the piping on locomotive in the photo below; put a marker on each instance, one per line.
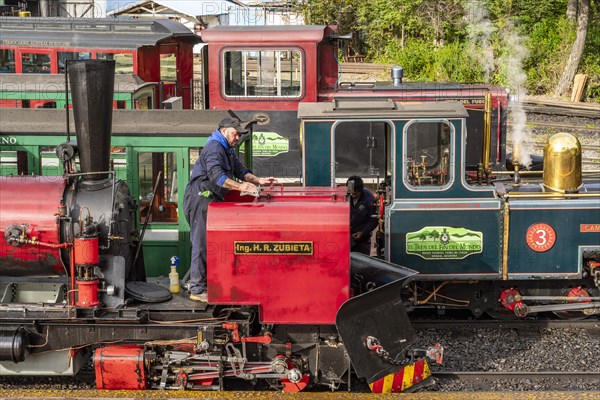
(72, 289)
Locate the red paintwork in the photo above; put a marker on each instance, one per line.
(120, 367)
(299, 289)
(20, 203)
(86, 250)
(511, 300)
(312, 43)
(87, 293)
(146, 64)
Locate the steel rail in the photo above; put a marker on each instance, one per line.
(530, 375)
(592, 323)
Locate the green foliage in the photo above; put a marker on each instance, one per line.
(430, 38)
(590, 64)
(549, 49)
(422, 61)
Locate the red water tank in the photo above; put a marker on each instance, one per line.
(287, 252)
(30, 203)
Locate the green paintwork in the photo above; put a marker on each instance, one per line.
(317, 137)
(565, 217)
(411, 217)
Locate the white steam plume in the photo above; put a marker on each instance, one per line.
(480, 30)
(516, 52)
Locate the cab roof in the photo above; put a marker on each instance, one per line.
(380, 108)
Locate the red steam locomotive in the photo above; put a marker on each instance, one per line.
(279, 276)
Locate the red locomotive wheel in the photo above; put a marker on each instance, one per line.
(291, 387)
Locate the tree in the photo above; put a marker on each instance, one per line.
(572, 10)
(341, 13)
(440, 14)
(576, 51)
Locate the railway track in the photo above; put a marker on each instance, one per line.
(561, 108)
(514, 375)
(591, 324)
(561, 126)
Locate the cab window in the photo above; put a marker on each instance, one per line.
(123, 61)
(262, 73)
(362, 148)
(427, 155)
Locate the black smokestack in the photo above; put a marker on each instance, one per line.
(92, 87)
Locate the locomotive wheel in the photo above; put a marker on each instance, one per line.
(575, 315)
(287, 386)
(291, 387)
(572, 315)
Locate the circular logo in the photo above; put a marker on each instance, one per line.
(540, 237)
(262, 118)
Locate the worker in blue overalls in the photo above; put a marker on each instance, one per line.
(363, 215)
(212, 177)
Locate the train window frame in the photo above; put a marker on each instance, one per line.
(369, 177)
(169, 205)
(19, 55)
(62, 56)
(166, 75)
(5, 60)
(133, 55)
(14, 161)
(278, 87)
(451, 162)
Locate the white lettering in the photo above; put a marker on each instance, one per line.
(8, 140)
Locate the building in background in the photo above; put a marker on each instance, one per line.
(206, 13)
(209, 13)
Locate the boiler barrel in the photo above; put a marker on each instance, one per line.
(30, 203)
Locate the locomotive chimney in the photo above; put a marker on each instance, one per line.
(92, 86)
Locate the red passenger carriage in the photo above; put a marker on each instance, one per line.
(158, 51)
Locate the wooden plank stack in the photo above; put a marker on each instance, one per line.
(578, 86)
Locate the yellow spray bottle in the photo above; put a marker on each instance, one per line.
(174, 276)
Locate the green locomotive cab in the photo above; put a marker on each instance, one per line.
(450, 222)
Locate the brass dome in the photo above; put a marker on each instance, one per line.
(562, 163)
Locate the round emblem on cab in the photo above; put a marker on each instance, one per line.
(540, 237)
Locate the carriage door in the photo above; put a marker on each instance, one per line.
(157, 186)
(169, 77)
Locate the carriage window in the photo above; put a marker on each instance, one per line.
(34, 63)
(118, 161)
(194, 154)
(13, 162)
(63, 56)
(263, 73)
(168, 67)
(123, 61)
(49, 164)
(143, 103)
(164, 208)
(7, 61)
(362, 148)
(427, 152)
